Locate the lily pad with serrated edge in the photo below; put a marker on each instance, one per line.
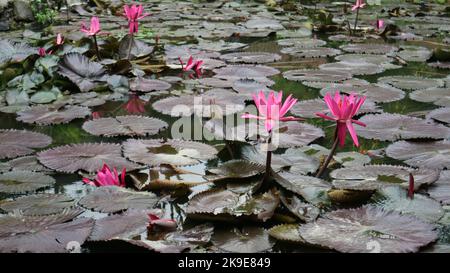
(440, 190)
(154, 152)
(434, 155)
(440, 114)
(148, 85)
(379, 93)
(287, 232)
(24, 163)
(368, 229)
(14, 51)
(316, 52)
(81, 71)
(236, 168)
(355, 68)
(250, 57)
(411, 82)
(39, 204)
(24, 181)
(392, 127)
(14, 143)
(88, 157)
(245, 240)
(435, 95)
(248, 87)
(414, 53)
(301, 42)
(369, 48)
(316, 75)
(48, 115)
(305, 211)
(352, 159)
(42, 234)
(236, 72)
(138, 48)
(309, 108)
(420, 206)
(125, 125)
(110, 199)
(372, 177)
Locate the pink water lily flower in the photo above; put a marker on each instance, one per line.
(194, 65)
(379, 24)
(133, 14)
(154, 220)
(272, 109)
(343, 109)
(42, 52)
(59, 39)
(106, 177)
(358, 5)
(93, 29)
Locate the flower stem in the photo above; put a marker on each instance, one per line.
(330, 156)
(130, 46)
(356, 20)
(268, 172)
(97, 52)
(67, 11)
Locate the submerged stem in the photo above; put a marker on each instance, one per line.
(268, 160)
(97, 52)
(330, 156)
(130, 46)
(356, 20)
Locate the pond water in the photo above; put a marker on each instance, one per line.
(287, 34)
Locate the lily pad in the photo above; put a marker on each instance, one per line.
(14, 52)
(42, 234)
(245, 240)
(14, 143)
(47, 115)
(138, 48)
(24, 181)
(306, 212)
(316, 52)
(148, 85)
(24, 163)
(440, 190)
(287, 232)
(251, 57)
(301, 42)
(352, 159)
(302, 75)
(414, 53)
(110, 199)
(89, 157)
(372, 177)
(355, 68)
(369, 229)
(434, 155)
(235, 169)
(369, 48)
(237, 72)
(124, 125)
(81, 71)
(309, 108)
(411, 82)
(421, 206)
(440, 114)
(39, 204)
(435, 95)
(154, 152)
(392, 127)
(379, 93)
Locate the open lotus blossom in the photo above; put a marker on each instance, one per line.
(358, 5)
(59, 39)
(343, 109)
(154, 220)
(272, 110)
(135, 105)
(93, 29)
(106, 177)
(133, 14)
(194, 65)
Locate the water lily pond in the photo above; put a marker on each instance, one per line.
(148, 128)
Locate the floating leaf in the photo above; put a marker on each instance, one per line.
(235, 169)
(25, 163)
(433, 155)
(380, 93)
(355, 68)
(316, 52)
(124, 125)
(148, 85)
(414, 53)
(110, 199)
(440, 190)
(309, 108)
(392, 127)
(81, 71)
(369, 229)
(287, 232)
(154, 152)
(47, 115)
(251, 57)
(301, 42)
(88, 157)
(436, 95)
(39, 204)
(248, 87)
(42, 234)
(14, 143)
(138, 48)
(24, 181)
(421, 206)
(245, 240)
(411, 82)
(237, 72)
(352, 159)
(369, 48)
(302, 75)
(372, 177)
(126, 225)
(306, 212)
(14, 52)
(440, 114)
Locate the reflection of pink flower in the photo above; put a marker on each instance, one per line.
(42, 52)
(358, 5)
(94, 28)
(411, 186)
(107, 178)
(164, 223)
(133, 14)
(135, 105)
(194, 65)
(379, 24)
(96, 115)
(272, 109)
(343, 110)
(59, 39)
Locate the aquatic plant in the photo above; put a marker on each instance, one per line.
(133, 14)
(106, 177)
(192, 65)
(93, 30)
(154, 220)
(359, 4)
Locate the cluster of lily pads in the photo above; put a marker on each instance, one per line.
(138, 185)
